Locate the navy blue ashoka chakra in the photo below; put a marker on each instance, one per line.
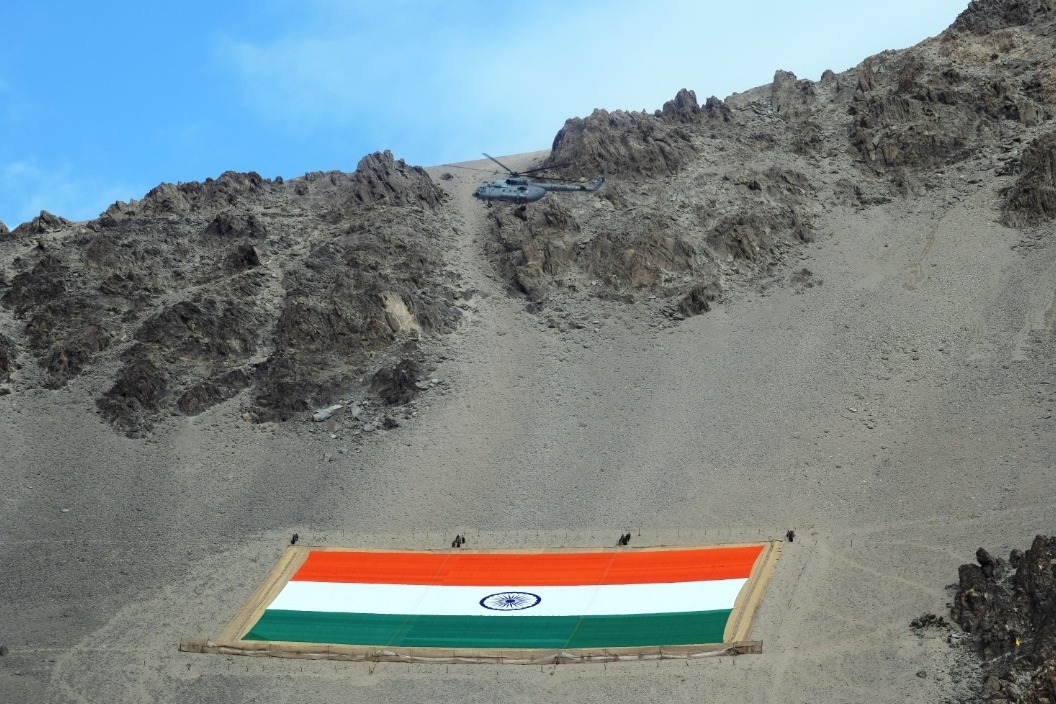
(510, 601)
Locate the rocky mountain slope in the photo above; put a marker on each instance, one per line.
(292, 295)
(253, 303)
(710, 196)
(290, 292)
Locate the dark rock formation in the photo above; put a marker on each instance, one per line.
(684, 109)
(661, 236)
(944, 101)
(233, 225)
(913, 120)
(205, 394)
(791, 97)
(207, 330)
(636, 144)
(699, 299)
(141, 388)
(8, 355)
(638, 261)
(379, 179)
(397, 385)
(231, 189)
(291, 292)
(45, 222)
(69, 355)
(1032, 199)
(43, 284)
(984, 16)
(1009, 608)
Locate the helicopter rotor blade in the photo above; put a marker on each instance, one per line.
(545, 168)
(510, 171)
(468, 168)
(537, 169)
(555, 178)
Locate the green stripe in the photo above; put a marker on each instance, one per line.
(506, 632)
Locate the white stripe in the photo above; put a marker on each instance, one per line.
(416, 599)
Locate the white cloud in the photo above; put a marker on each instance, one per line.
(27, 187)
(431, 77)
(411, 77)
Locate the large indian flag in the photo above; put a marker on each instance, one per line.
(509, 600)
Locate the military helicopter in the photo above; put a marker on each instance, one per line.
(518, 188)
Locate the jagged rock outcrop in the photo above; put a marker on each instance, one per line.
(45, 222)
(751, 235)
(207, 393)
(1032, 199)
(381, 179)
(945, 100)
(639, 261)
(234, 225)
(231, 189)
(699, 299)
(134, 403)
(915, 118)
(208, 329)
(292, 292)
(685, 109)
(622, 143)
(8, 355)
(637, 144)
(691, 218)
(352, 296)
(983, 16)
(791, 97)
(64, 327)
(396, 385)
(1009, 608)
(533, 250)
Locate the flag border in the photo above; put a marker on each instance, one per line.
(735, 637)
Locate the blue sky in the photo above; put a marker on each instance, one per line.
(103, 101)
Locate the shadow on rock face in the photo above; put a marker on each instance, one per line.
(396, 385)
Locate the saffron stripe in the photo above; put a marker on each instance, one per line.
(620, 599)
(540, 569)
(549, 632)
